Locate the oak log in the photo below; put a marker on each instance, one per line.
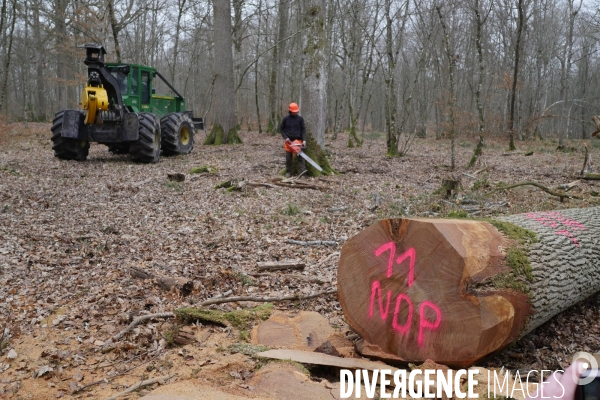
(454, 291)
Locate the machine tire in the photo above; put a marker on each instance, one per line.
(177, 130)
(118, 148)
(67, 148)
(147, 148)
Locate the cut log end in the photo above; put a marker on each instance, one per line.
(409, 288)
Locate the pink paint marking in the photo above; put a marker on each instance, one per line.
(569, 235)
(426, 324)
(552, 219)
(392, 248)
(566, 221)
(412, 254)
(403, 329)
(376, 289)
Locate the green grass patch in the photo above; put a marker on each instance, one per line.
(458, 214)
(244, 279)
(291, 209)
(203, 169)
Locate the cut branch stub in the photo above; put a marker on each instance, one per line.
(405, 287)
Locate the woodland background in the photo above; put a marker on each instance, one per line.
(528, 68)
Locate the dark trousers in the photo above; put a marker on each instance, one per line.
(299, 162)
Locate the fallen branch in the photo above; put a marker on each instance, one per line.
(260, 184)
(311, 242)
(293, 178)
(276, 265)
(267, 299)
(143, 318)
(591, 177)
(288, 276)
(544, 188)
(136, 321)
(568, 186)
(294, 183)
(147, 382)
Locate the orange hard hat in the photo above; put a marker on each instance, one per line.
(294, 107)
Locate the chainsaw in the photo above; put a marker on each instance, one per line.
(296, 148)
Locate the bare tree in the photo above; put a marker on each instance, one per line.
(513, 91)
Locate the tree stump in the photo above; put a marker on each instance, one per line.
(454, 291)
(450, 186)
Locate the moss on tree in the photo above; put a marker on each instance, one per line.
(476, 153)
(314, 151)
(519, 262)
(514, 232)
(215, 137)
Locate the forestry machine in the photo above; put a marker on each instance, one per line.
(119, 108)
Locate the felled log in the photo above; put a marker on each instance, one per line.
(181, 286)
(454, 291)
(278, 265)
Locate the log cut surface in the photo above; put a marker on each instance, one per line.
(429, 289)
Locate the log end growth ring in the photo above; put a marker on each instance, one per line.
(407, 287)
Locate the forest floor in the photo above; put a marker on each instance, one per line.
(70, 231)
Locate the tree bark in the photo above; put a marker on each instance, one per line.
(314, 84)
(451, 58)
(224, 126)
(513, 90)
(3, 94)
(478, 25)
(114, 26)
(455, 291)
(40, 111)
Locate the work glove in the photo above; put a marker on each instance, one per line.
(288, 141)
(304, 144)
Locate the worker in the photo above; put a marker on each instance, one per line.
(292, 128)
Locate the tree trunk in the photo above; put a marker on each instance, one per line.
(478, 25)
(3, 94)
(314, 84)
(181, 11)
(566, 71)
(455, 291)
(114, 25)
(40, 111)
(513, 90)
(224, 126)
(451, 62)
(276, 76)
(256, 71)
